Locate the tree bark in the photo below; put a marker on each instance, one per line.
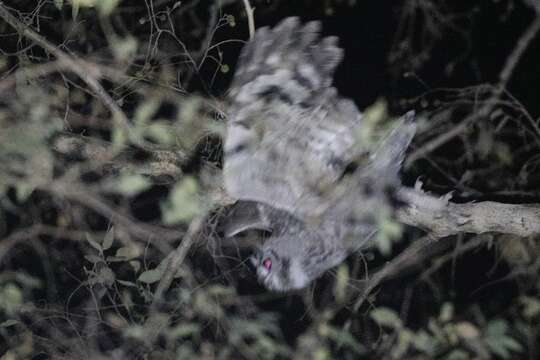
(440, 217)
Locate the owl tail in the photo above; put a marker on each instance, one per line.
(387, 159)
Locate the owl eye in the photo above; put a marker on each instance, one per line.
(267, 263)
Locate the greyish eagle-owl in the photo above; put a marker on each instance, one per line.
(293, 148)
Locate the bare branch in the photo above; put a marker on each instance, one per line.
(443, 218)
(516, 54)
(250, 17)
(69, 62)
(504, 76)
(160, 162)
(412, 257)
(176, 260)
(159, 236)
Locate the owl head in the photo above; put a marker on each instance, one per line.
(294, 257)
(279, 271)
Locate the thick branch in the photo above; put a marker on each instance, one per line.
(159, 162)
(442, 218)
(437, 216)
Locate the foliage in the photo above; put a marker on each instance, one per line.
(102, 186)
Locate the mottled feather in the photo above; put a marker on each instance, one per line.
(285, 121)
(290, 141)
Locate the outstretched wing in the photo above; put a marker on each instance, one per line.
(289, 135)
(362, 199)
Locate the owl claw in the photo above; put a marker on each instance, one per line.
(418, 184)
(447, 197)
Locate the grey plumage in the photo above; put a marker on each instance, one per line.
(290, 139)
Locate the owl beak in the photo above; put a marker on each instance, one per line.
(254, 261)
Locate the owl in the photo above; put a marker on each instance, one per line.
(293, 150)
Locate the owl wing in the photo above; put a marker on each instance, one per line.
(359, 201)
(289, 135)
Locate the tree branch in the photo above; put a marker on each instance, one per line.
(443, 218)
(87, 74)
(439, 217)
(250, 17)
(498, 90)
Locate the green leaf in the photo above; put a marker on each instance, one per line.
(106, 7)
(130, 184)
(220, 291)
(457, 354)
(23, 191)
(342, 280)
(75, 7)
(447, 312)
(424, 342)
(160, 132)
(145, 111)
(150, 276)
(377, 112)
(531, 306)
(386, 317)
(372, 116)
(498, 341)
(124, 49)
(404, 341)
(436, 330)
(127, 252)
(93, 243)
(389, 231)
(93, 259)
(231, 21)
(496, 328)
(384, 244)
(11, 298)
(109, 238)
(183, 203)
(512, 344)
(504, 153)
(184, 330)
(127, 283)
(136, 265)
(467, 330)
(8, 323)
(106, 276)
(119, 136)
(111, 259)
(343, 338)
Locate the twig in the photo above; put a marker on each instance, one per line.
(411, 255)
(158, 235)
(69, 62)
(504, 76)
(155, 323)
(250, 17)
(9, 242)
(177, 259)
(21, 236)
(522, 45)
(159, 163)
